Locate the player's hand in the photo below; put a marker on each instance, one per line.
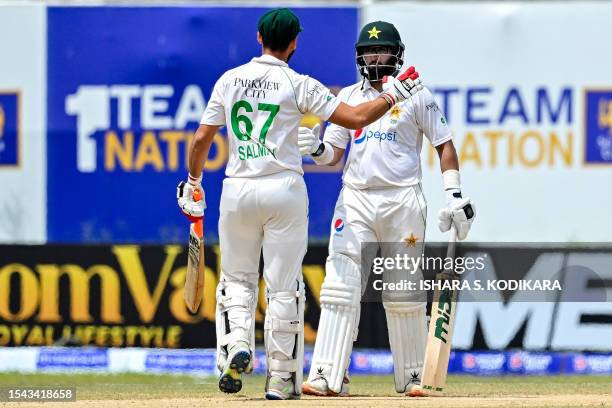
(308, 139)
(459, 211)
(402, 86)
(191, 200)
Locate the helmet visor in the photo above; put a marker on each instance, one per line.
(376, 62)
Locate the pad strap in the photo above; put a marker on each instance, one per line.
(226, 302)
(231, 337)
(282, 365)
(279, 325)
(275, 295)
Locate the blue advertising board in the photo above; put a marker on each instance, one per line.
(10, 131)
(126, 89)
(598, 126)
(363, 361)
(181, 361)
(72, 358)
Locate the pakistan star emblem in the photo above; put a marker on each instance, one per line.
(374, 33)
(411, 240)
(395, 112)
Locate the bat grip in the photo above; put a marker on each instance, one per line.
(453, 234)
(199, 227)
(450, 251)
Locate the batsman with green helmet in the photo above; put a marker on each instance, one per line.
(382, 206)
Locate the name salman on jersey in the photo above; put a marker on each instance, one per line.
(252, 151)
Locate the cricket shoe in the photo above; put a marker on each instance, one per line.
(281, 389)
(318, 387)
(414, 389)
(237, 363)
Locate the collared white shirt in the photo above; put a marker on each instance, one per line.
(262, 104)
(387, 152)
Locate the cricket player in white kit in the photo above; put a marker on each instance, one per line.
(264, 205)
(381, 201)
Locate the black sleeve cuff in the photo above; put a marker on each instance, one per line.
(319, 151)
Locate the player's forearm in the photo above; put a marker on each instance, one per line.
(448, 156)
(200, 146)
(338, 153)
(449, 165)
(370, 112)
(357, 117)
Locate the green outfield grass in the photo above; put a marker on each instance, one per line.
(141, 386)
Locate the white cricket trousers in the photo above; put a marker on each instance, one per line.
(392, 220)
(268, 213)
(383, 215)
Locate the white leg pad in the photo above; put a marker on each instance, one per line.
(284, 333)
(407, 323)
(340, 304)
(235, 317)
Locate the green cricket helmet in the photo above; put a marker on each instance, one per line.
(375, 65)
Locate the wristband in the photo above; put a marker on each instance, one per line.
(388, 98)
(451, 179)
(194, 181)
(324, 154)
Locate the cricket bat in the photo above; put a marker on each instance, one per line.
(437, 351)
(194, 279)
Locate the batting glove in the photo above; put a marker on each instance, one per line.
(190, 197)
(459, 211)
(308, 139)
(399, 88)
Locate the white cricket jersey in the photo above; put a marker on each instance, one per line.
(262, 103)
(387, 153)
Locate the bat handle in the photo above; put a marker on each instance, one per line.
(198, 227)
(453, 234)
(450, 252)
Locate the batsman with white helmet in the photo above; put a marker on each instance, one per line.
(264, 205)
(381, 201)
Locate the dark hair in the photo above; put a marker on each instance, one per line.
(276, 43)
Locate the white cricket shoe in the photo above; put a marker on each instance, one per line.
(318, 387)
(413, 388)
(280, 389)
(237, 362)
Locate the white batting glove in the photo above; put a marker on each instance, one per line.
(191, 199)
(308, 139)
(403, 86)
(459, 211)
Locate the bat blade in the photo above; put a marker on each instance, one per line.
(194, 279)
(441, 328)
